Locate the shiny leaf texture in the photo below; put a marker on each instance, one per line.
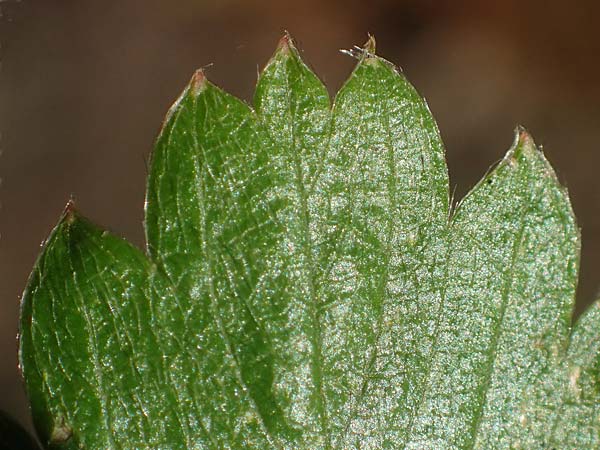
(307, 285)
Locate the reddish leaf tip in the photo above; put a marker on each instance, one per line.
(524, 136)
(69, 212)
(198, 82)
(285, 44)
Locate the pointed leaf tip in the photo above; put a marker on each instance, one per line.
(524, 137)
(524, 143)
(70, 212)
(285, 49)
(365, 53)
(198, 82)
(370, 47)
(285, 44)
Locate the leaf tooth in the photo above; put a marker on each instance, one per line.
(365, 53)
(198, 83)
(72, 222)
(370, 47)
(69, 213)
(524, 136)
(71, 218)
(285, 44)
(523, 145)
(286, 48)
(196, 86)
(526, 154)
(525, 148)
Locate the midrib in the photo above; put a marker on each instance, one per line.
(315, 334)
(506, 294)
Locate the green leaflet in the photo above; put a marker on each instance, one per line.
(513, 259)
(91, 350)
(352, 227)
(306, 286)
(575, 423)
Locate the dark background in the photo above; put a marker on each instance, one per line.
(84, 86)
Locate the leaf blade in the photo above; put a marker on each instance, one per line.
(573, 421)
(389, 185)
(70, 340)
(293, 106)
(514, 258)
(211, 252)
(307, 287)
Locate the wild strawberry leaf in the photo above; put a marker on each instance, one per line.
(307, 286)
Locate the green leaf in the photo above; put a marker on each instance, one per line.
(575, 422)
(307, 286)
(13, 436)
(512, 273)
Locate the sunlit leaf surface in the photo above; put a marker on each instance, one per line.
(306, 285)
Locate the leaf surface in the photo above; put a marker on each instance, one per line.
(306, 285)
(575, 413)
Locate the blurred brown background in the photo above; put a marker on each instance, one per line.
(84, 86)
